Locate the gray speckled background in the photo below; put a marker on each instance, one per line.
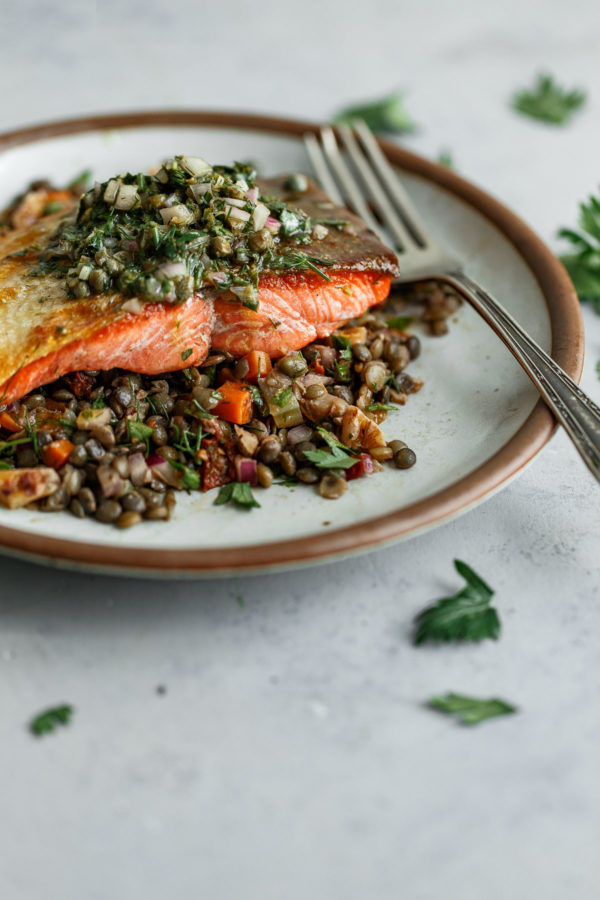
(291, 755)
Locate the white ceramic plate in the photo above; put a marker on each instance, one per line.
(474, 415)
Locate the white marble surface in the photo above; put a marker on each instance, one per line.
(291, 755)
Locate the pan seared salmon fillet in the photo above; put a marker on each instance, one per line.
(45, 334)
(296, 307)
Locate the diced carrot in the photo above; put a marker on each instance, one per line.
(9, 422)
(318, 367)
(57, 453)
(259, 365)
(236, 403)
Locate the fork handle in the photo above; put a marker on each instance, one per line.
(579, 416)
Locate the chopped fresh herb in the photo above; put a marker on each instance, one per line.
(341, 342)
(137, 431)
(598, 369)
(381, 407)
(548, 101)
(187, 353)
(164, 236)
(31, 433)
(445, 159)
(332, 223)
(465, 616)
(239, 600)
(190, 479)
(386, 114)
(583, 263)
(47, 721)
(400, 322)
(335, 458)
(5, 464)
(185, 442)
(470, 710)
(239, 493)
(274, 323)
(283, 397)
(99, 402)
(287, 481)
(8, 446)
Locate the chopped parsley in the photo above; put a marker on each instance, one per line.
(138, 431)
(190, 479)
(380, 407)
(282, 397)
(334, 458)
(187, 353)
(583, 262)
(470, 710)
(47, 721)
(239, 493)
(465, 616)
(386, 114)
(445, 159)
(548, 102)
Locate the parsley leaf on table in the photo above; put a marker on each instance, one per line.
(548, 101)
(47, 721)
(445, 159)
(239, 493)
(400, 322)
(470, 710)
(465, 616)
(583, 263)
(386, 114)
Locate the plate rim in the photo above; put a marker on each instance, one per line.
(567, 350)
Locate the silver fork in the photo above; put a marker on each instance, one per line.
(378, 186)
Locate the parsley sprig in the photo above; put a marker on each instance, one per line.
(336, 457)
(548, 102)
(471, 710)
(46, 721)
(465, 616)
(583, 262)
(239, 493)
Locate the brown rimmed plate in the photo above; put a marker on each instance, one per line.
(474, 426)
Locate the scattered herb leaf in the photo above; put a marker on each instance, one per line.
(465, 616)
(137, 431)
(187, 353)
(583, 263)
(470, 710)
(381, 407)
(47, 721)
(548, 101)
(385, 114)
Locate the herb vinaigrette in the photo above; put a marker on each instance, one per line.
(188, 227)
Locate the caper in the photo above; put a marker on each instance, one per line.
(301, 449)
(87, 500)
(375, 376)
(361, 352)
(220, 247)
(98, 280)
(414, 346)
(287, 463)
(264, 475)
(315, 390)
(292, 365)
(261, 240)
(134, 502)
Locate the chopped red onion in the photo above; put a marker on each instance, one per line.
(217, 277)
(252, 194)
(111, 483)
(127, 197)
(177, 215)
(273, 225)
(245, 470)
(167, 473)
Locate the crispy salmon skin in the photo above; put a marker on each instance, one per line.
(46, 334)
